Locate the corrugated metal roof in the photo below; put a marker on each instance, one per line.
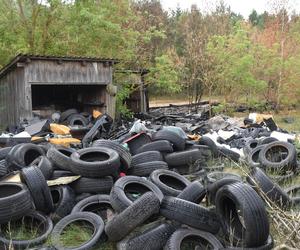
(27, 57)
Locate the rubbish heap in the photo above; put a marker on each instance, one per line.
(159, 182)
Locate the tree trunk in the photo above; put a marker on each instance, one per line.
(282, 43)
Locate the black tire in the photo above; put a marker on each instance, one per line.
(267, 140)
(146, 168)
(61, 173)
(177, 141)
(64, 115)
(121, 194)
(205, 151)
(137, 141)
(162, 146)
(153, 239)
(45, 165)
(194, 192)
(202, 239)
(10, 158)
(79, 132)
(267, 246)
(204, 140)
(23, 155)
(269, 160)
(77, 120)
(169, 182)
(250, 145)
(236, 201)
(124, 154)
(80, 197)
(253, 157)
(274, 192)
(213, 188)
(45, 147)
(148, 156)
(215, 176)
(190, 214)
(198, 175)
(42, 248)
(4, 152)
(138, 212)
(295, 201)
(43, 224)
(15, 201)
(284, 178)
(95, 162)
(183, 170)
(63, 199)
(86, 114)
(27, 153)
(3, 168)
(93, 185)
(293, 191)
(91, 218)
(60, 157)
(38, 188)
(99, 204)
(230, 154)
(183, 158)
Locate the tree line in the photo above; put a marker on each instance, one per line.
(211, 52)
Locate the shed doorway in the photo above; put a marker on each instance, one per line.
(62, 97)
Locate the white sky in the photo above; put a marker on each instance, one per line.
(243, 7)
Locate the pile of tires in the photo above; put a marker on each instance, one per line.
(135, 201)
(72, 117)
(272, 166)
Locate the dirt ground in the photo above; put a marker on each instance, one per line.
(161, 103)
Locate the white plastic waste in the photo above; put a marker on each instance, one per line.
(138, 127)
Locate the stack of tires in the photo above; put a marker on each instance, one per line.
(273, 164)
(72, 117)
(140, 201)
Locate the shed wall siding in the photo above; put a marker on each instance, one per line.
(27, 97)
(110, 99)
(12, 92)
(53, 72)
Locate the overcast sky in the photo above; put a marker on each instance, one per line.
(243, 7)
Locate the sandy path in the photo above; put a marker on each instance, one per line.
(162, 103)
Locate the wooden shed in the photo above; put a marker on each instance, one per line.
(31, 83)
(138, 101)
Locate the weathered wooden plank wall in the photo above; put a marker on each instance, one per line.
(12, 93)
(67, 72)
(111, 95)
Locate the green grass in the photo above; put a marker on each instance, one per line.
(73, 236)
(291, 127)
(20, 230)
(78, 233)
